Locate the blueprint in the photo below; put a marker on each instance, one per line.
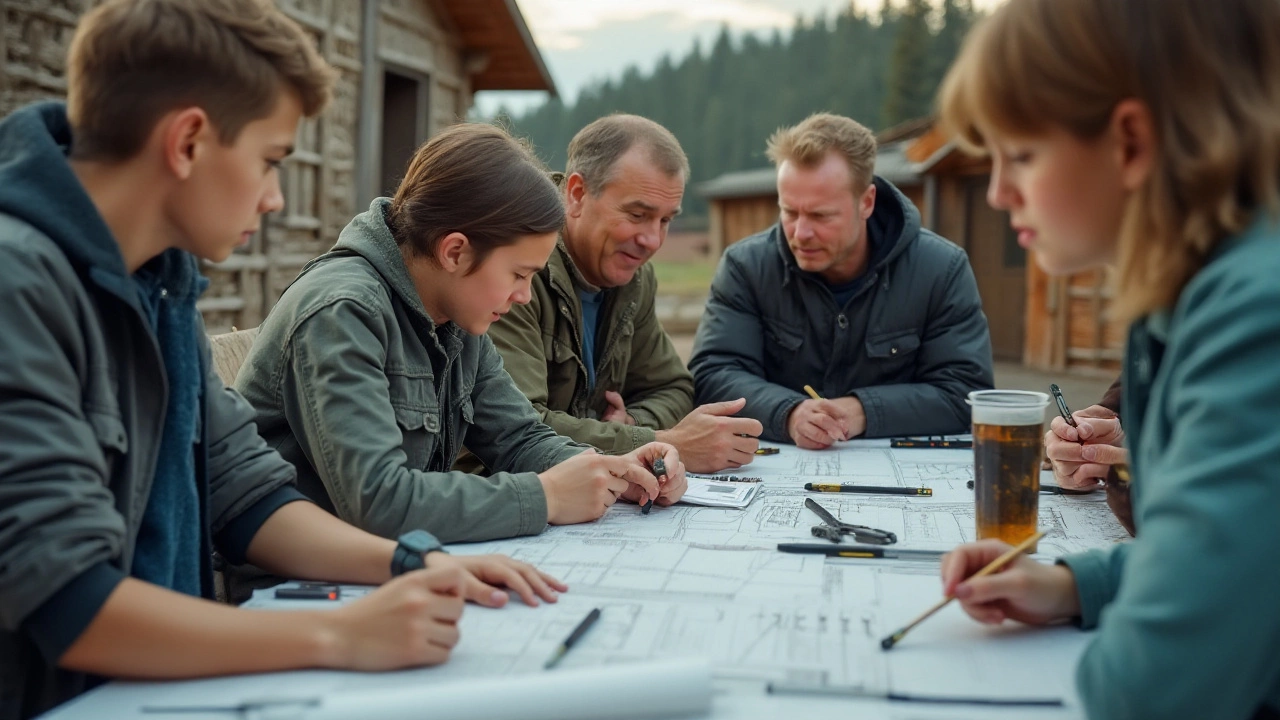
(707, 584)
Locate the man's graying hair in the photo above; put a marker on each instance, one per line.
(595, 150)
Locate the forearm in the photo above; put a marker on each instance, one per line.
(663, 408)
(913, 409)
(301, 540)
(169, 636)
(608, 437)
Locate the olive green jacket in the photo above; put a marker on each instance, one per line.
(370, 399)
(541, 346)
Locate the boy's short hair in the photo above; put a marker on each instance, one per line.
(132, 61)
(808, 144)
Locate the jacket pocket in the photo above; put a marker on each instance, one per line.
(781, 352)
(417, 415)
(108, 430)
(784, 336)
(565, 373)
(893, 352)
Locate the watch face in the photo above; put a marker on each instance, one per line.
(420, 541)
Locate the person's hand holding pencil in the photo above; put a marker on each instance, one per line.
(816, 423)
(1023, 590)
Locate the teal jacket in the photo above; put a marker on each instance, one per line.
(1188, 613)
(371, 400)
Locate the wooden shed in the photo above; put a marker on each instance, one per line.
(407, 68)
(1048, 323)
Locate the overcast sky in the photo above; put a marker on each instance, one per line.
(588, 40)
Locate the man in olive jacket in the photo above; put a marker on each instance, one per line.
(588, 350)
(847, 294)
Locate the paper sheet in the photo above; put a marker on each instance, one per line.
(623, 692)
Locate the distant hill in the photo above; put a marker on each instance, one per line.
(723, 103)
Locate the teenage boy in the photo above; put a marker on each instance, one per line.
(123, 460)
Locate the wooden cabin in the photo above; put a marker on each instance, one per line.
(406, 69)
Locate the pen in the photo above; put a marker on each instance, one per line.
(1062, 405)
(724, 478)
(659, 469)
(860, 551)
(930, 443)
(573, 638)
(859, 691)
(868, 489)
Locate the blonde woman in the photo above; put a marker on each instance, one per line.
(1146, 134)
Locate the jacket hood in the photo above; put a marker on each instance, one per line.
(369, 236)
(38, 187)
(894, 224)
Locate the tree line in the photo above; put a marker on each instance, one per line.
(880, 68)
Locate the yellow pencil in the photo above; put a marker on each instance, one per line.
(812, 393)
(991, 567)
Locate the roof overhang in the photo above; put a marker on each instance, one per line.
(498, 44)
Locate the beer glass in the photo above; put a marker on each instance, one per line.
(1008, 428)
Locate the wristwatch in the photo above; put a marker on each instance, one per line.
(412, 550)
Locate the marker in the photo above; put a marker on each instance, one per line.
(659, 469)
(860, 551)
(868, 489)
(573, 638)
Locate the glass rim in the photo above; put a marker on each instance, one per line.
(1008, 398)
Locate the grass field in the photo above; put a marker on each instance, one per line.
(691, 277)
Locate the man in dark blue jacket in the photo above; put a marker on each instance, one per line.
(847, 294)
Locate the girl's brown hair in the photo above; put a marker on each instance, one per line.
(1209, 72)
(477, 180)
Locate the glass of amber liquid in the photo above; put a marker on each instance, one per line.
(1008, 429)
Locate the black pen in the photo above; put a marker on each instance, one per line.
(859, 691)
(659, 469)
(573, 638)
(868, 489)
(900, 443)
(860, 551)
(1062, 405)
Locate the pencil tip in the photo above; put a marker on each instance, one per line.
(889, 642)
